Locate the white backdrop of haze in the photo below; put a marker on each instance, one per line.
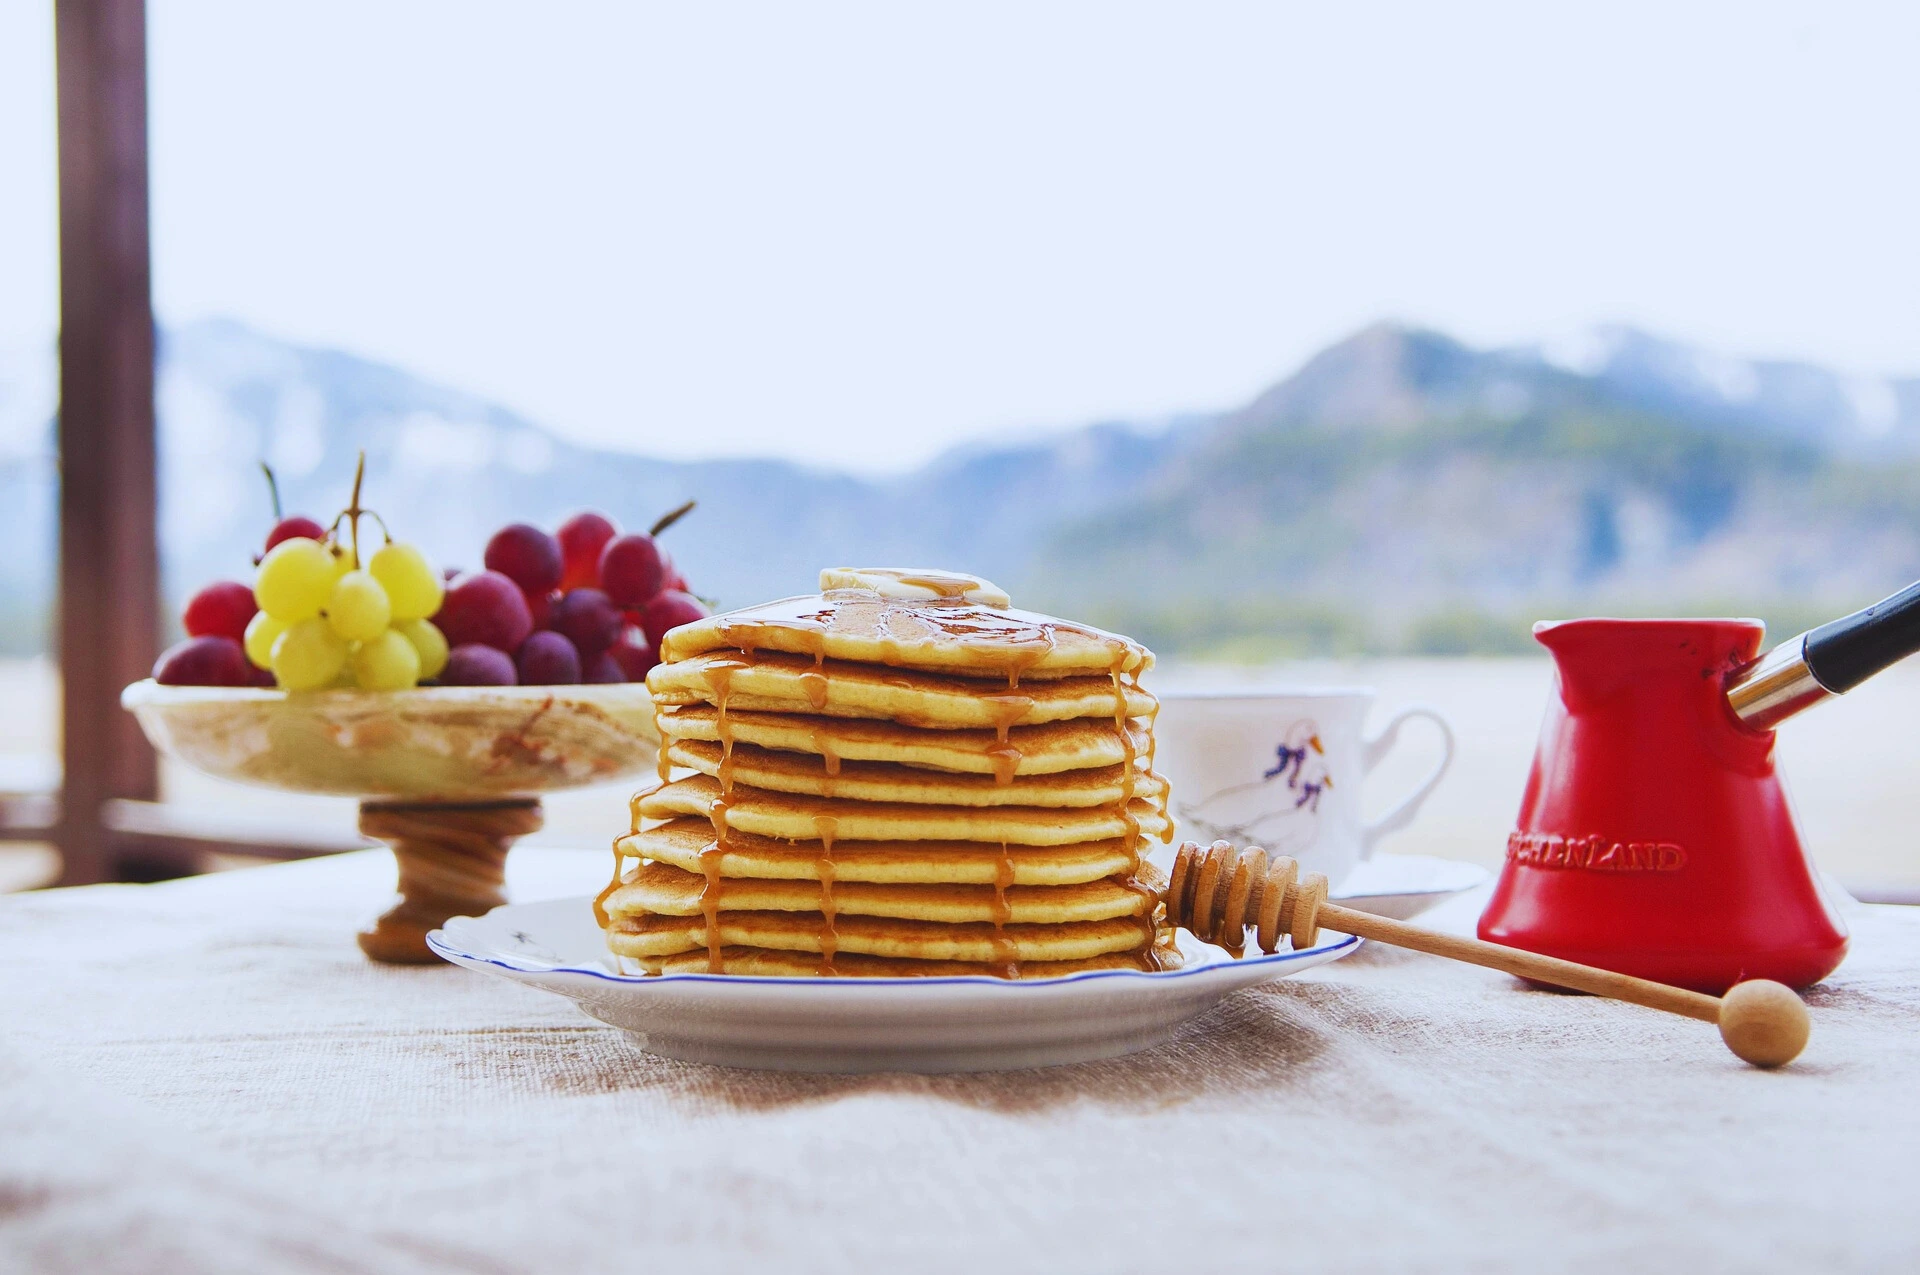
(859, 234)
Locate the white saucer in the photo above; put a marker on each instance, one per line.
(1402, 886)
(859, 1024)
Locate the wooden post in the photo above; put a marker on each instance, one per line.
(109, 595)
(453, 862)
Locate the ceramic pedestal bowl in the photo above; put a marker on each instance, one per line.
(449, 777)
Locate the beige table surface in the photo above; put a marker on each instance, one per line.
(207, 1076)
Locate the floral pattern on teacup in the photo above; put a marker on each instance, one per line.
(1280, 809)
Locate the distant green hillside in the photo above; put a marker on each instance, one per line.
(1451, 535)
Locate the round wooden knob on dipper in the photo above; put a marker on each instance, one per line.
(1764, 1022)
(1219, 893)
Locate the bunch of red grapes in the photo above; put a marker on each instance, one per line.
(583, 604)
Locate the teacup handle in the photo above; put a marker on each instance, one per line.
(1372, 750)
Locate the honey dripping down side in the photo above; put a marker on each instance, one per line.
(719, 678)
(600, 900)
(1006, 759)
(725, 730)
(814, 682)
(1153, 739)
(621, 855)
(663, 771)
(1122, 723)
(1007, 711)
(1006, 954)
(712, 858)
(827, 828)
(823, 744)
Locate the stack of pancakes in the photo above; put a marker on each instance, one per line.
(900, 775)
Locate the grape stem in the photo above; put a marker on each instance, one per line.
(670, 517)
(273, 490)
(353, 512)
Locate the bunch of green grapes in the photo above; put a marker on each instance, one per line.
(324, 621)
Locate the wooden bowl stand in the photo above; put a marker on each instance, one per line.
(452, 860)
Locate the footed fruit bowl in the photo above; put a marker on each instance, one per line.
(447, 776)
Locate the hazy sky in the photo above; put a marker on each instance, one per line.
(858, 234)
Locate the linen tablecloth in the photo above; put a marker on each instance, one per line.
(207, 1076)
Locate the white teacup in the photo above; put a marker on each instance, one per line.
(1282, 770)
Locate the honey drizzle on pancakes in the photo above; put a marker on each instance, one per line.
(600, 899)
(1129, 778)
(1006, 953)
(711, 856)
(1153, 717)
(828, 827)
(1007, 712)
(829, 759)
(620, 855)
(719, 678)
(1006, 763)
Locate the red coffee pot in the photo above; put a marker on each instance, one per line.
(1654, 837)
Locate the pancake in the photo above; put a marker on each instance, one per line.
(900, 776)
(942, 632)
(770, 963)
(795, 684)
(663, 890)
(882, 781)
(1029, 750)
(681, 841)
(880, 936)
(797, 818)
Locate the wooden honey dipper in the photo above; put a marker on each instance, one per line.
(1220, 892)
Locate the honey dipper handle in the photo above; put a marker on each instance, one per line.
(1523, 964)
(1220, 894)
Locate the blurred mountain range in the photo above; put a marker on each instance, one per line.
(1401, 491)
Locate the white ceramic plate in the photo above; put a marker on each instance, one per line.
(859, 1024)
(1402, 886)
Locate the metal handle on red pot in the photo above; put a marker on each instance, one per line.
(1827, 661)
